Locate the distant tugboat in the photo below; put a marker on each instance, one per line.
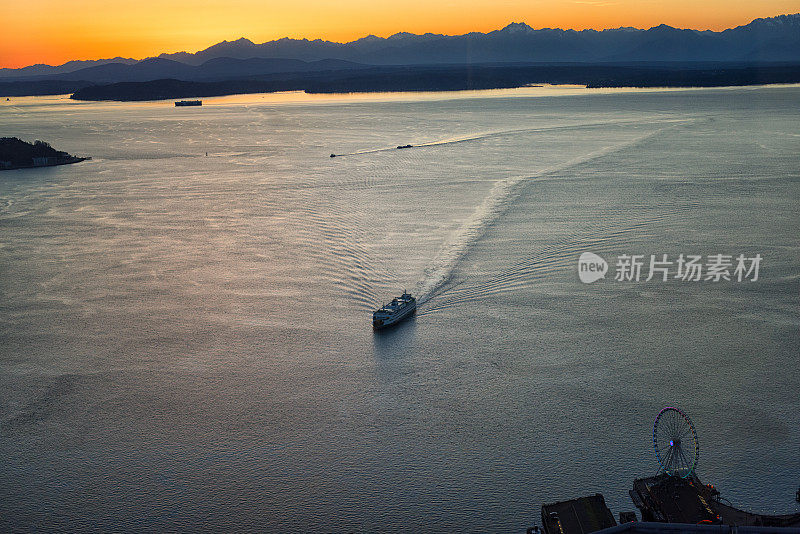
(400, 308)
(181, 103)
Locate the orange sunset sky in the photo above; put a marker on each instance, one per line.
(56, 31)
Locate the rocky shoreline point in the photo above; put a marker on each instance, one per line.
(18, 154)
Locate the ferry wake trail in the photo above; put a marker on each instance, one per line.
(438, 273)
(506, 133)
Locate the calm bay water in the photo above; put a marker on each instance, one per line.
(185, 340)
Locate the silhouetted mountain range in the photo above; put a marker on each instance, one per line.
(770, 39)
(775, 39)
(234, 66)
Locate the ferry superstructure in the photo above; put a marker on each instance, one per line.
(398, 309)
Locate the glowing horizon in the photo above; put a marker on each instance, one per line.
(53, 32)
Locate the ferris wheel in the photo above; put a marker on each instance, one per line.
(675, 442)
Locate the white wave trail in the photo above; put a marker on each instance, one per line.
(503, 192)
(509, 133)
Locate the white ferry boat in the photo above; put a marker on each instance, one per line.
(401, 307)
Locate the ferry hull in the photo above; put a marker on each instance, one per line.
(392, 321)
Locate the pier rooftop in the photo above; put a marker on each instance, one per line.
(578, 516)
(672, 499)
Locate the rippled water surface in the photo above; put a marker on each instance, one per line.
(185, 338)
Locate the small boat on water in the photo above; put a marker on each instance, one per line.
(398, 309)
(405, 146)
(181, 103)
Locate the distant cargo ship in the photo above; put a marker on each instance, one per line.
(188, 103)
(400, 308)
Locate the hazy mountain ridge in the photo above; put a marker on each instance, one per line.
(70, 66)
(211, 70)
(774, 39)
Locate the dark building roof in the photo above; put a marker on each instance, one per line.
(673, 499)
(577, 516)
